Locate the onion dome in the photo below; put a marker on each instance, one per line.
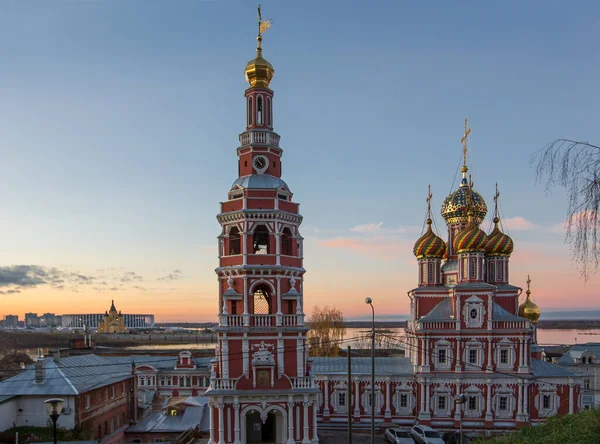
(498, 243)
(429, 245)
(528, 309)
(259, 71)
(470, 239)
(454, 208)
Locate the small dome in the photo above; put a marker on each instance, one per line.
(470, 239)
(259, 71)
(529, 309)
(259, 181)
(498, 243)
(429, 245)
(454, 208)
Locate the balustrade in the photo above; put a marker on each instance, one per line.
(223, 383)
(303, 382)
(262, 137)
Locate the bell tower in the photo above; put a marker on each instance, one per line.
(262, 387)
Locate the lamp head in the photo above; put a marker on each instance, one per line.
(368, 301)
(54, 406)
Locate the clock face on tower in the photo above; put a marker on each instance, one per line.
(260, 164)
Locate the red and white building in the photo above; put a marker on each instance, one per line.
(467, 334)
(261, 387)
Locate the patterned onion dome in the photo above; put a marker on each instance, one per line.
(471, 238)
(498, 243)
(429, 245)
(454, 208)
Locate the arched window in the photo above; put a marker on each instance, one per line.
(492, 271)
(234, 241)
(261, 240)
(499, 271)
(262, 301)
(430, 277)
(249, 111)
(287, 242)
(259, 110)
(268, 111)
(472, 265)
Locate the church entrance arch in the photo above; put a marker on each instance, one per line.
(264, 426)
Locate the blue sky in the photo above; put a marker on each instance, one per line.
(119, 123)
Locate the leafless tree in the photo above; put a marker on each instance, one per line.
(575, 166)
(327, 330)
(387, 342)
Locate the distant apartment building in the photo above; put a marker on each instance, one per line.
(32, 320)
(93, 320)
(11, 321)
(48, 320)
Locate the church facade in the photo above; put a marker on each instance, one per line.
(113, 321)
(471, 355)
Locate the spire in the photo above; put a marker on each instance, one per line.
(112, 306)
(496, 213)
(259, 71)
(528, 292)
(464, 168)
(263, 25)
(429, 196)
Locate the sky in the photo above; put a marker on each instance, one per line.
(119, 125)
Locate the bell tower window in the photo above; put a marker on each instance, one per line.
(472, 268)
(261, 243)
(499, 272)
(259, 110)
(492, 270)
(234, 241)
(430, 273)
(262, 301)
(287, 242)
(269, 118)
(249, 111)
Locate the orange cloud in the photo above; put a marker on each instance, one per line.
(518, 223)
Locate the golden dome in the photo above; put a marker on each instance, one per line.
(259, 71)
(528, 309)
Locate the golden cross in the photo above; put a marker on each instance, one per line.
(429, 196)
(259, 15)
(528, 284)
(464, 141)
(496, 196)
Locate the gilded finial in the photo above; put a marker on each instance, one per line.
(528, 292)
(429, 196)
(464, 168)
(496, 214)
(263, 25)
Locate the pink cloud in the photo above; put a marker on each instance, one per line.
(518, 223)
(367, 228)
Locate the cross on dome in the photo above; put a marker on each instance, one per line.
(464, 143)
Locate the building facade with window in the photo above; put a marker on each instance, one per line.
(584, 359)
(261, 386)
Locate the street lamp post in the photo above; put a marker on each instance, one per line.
(54, 408)
(370, 302)
(460, 400)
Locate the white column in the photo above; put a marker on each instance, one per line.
(221, 425)
(488, 402)
(520, 400)
(236, 422)
(570, 397)
(211, 426)
(427, 399)
(245, 315)
(388, 411)
(298, 429)
(326, 397)
(245, 358)
(423, 396)
(280, 355)
(526, 399)
(305, 438)
(490, 364)
(225, 355)
(290, 420)
(300, 355)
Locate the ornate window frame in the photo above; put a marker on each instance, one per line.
(378, 397)
(449, 351)
(474, 392)
(439, 392)
(511, 402)
(410, 400)
(509, 346)
(473, 344)
(474, 303)
(554, 399)
(339, 388)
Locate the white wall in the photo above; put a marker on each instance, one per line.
(31, 411)
(8, 414)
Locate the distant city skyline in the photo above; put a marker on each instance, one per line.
(120, 122)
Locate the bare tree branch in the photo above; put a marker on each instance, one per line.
(575, 166)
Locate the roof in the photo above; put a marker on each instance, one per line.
(443, 311)
(78, 374)
(546, 369)
(260, 181)
(6, 398)
(500, 314)
(577, 351)
(391, 366)
(193, 416)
